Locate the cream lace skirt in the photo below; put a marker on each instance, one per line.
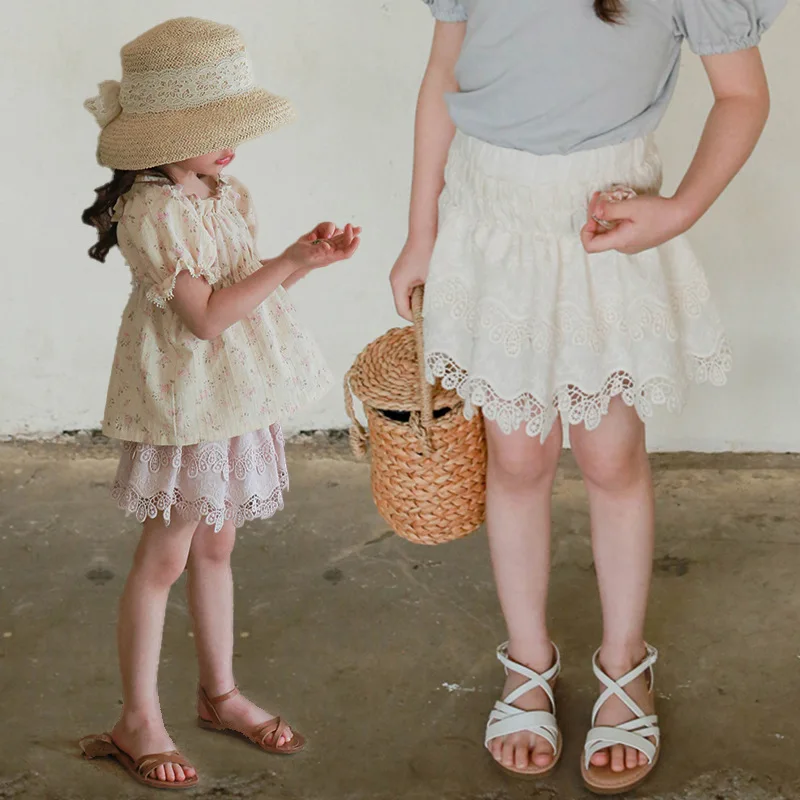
(239, 479)
(521, 321)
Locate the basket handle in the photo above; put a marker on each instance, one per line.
(359, 438)
(426, 390)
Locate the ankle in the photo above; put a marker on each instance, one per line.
(537, 654)
(619, 658)
(134, 719)
(214, 687)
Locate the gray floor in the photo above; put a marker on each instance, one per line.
(382, 652)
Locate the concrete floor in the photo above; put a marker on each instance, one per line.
(383, 652)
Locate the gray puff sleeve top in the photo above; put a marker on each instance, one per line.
(550, 77)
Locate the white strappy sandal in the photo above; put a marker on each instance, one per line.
(637, 733)
(507, 719)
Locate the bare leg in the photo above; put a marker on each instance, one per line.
(519, 486)
(159, 561)
(616, 470)
(210, 591)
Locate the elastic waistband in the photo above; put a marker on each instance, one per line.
(548, 194)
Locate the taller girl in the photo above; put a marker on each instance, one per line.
(535, 309)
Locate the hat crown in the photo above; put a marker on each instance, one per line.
(183, 43)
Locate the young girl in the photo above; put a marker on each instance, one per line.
(544, 298)
(209, 359)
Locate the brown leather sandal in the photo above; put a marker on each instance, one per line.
(264, 736)
(103, 746)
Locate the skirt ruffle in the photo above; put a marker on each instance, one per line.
(237, 480)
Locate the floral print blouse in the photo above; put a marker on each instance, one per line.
(167, 386)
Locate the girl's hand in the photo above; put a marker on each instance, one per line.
(314, 251)
(325, 230)
(410, 270)
(641, 223)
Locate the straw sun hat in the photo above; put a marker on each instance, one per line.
(187, 89)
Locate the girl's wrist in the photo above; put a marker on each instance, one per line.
(687, 210)
(282, 265)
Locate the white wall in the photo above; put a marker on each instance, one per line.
(353, 69)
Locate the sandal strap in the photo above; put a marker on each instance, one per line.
(617, 687)
(221, 698)
(506, 718)
(635, 733)
(211, 703)
(535, 680)
(603, 737)
(274, 727)
(148, 763)
(539, 723)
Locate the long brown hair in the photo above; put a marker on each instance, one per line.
(100, 214)
(610, 11)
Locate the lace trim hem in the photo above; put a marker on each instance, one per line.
(209, 509)
(575, 405)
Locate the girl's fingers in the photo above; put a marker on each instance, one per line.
(325, 230)
(616, 211)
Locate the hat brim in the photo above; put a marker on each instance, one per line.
(143, 141)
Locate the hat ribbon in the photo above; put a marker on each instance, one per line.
(105, 107)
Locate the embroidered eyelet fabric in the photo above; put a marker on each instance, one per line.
(237, 480)
(522, 322)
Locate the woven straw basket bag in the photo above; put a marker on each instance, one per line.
(428, 462)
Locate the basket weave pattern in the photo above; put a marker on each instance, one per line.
(428, 473)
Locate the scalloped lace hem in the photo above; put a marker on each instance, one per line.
(573, 404)
(207, 509)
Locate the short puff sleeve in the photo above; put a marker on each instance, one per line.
(447, 10)
(714, 27)
(161, 234)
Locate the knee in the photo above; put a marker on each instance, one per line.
(160, 563)
(613, 469)
(212, 547)
(523, 464)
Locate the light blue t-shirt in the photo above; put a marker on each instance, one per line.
(547, 76)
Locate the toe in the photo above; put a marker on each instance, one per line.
(170, 773)
(497, 749)
(600, 759)
(618, 758)
(508, 753)
(189, 772)
(542, 753)
(180, 775)
(642, 760)
(161, 773)
(521, 755)
(631, 757)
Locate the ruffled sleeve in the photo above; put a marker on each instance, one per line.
(714, 27)
(447, 10)
(161, 234)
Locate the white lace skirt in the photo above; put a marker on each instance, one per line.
(521, 321)
(238, 479)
